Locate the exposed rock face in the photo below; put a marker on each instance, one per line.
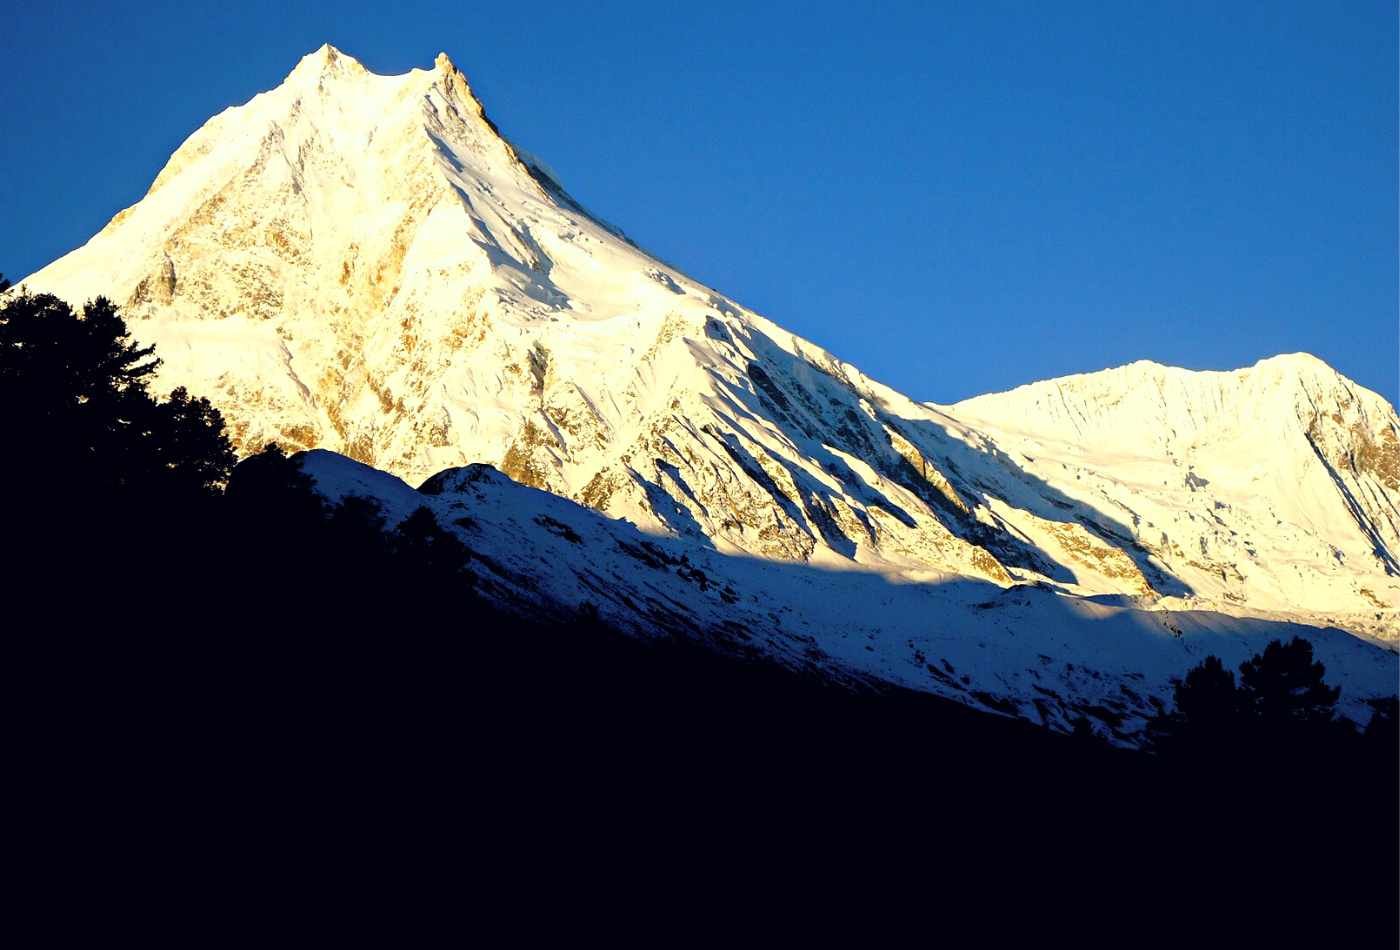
(362, 263)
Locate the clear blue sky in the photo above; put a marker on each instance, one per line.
(956, 197)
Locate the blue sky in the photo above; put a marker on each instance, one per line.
(956, 197)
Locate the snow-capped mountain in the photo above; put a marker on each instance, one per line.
(363, 263)
(1274, 488)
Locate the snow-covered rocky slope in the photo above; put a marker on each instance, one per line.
(1274, 488)
(1028, 651)
(362, 263)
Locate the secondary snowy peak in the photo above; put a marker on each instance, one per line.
(363, 263)
(1276, 486)
(1256, 412)
(1166, 404)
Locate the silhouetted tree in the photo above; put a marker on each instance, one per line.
(356, 548)
(106, 479)
(1284, 686)
(189, 448)
(328, 564)
(87, 413)
(67, 358)
(424, 550)
(1207, 698)
(1382, 735)
(270, 486)
(1208, 713)
(272, 531)
(1281, 700)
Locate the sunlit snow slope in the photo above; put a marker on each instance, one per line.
(1275, 487)
(362, 263)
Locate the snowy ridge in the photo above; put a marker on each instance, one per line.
(1274, 488)
(362, 263)
(1024, 652)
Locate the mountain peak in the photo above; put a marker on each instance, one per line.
(326, 59)
(1299, 363)
(1295, 363)
(455, 81)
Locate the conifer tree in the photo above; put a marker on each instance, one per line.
(1284, 685)
(1208, 713)
(424, 550)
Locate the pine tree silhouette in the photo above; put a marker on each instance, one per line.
(84, 387)
(1284, 685)
(1281, 700)
(427, 553)
(1207, 697)
(1209, 714)
(271, 486)
(112, 478)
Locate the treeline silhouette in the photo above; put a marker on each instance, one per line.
(312, 679)
(1282, 708)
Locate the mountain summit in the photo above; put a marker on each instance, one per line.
(363, 263)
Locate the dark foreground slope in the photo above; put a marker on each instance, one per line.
(237, 714)
(384, 744)
(304, 731)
